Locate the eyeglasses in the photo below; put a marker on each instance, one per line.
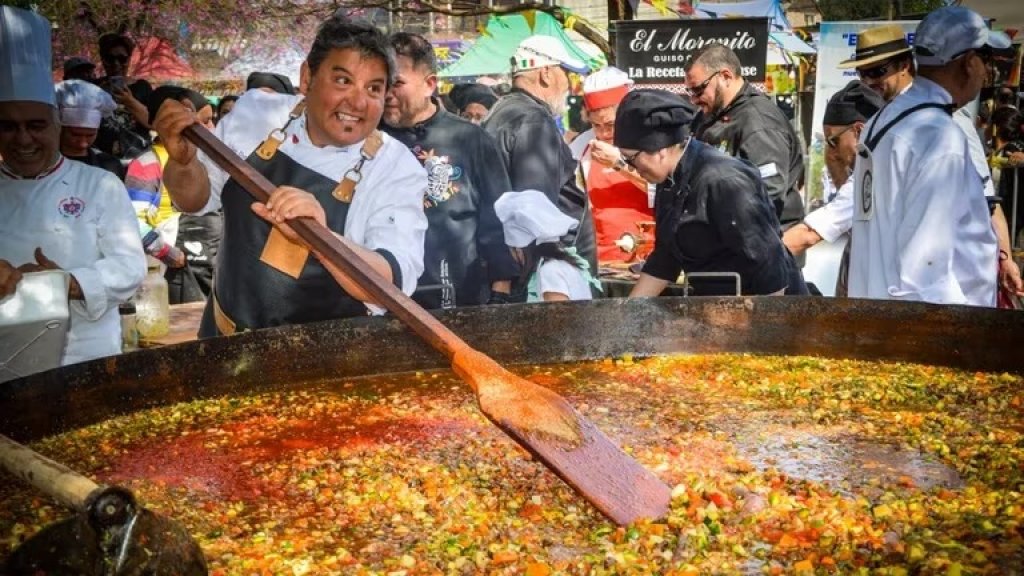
(698, 90)
(631, 158)
(120, 58)
(833, 140)
(874, 73)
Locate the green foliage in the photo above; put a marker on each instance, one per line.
(839, 10)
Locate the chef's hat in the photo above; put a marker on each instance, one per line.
(606, 87)
(529, 216)
(25, 62)
(83, 104)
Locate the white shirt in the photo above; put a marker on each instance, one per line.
(965, 120)
(835, 218)
(921, 228)
(387, 210)
(564, 278)
(83, 220)
(579, 144)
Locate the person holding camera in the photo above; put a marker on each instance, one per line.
(125, 133)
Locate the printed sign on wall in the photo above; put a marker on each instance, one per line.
(657, 51)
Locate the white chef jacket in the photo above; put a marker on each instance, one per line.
(387, 210)
(835, 218)
(921, 226)
(83, 220)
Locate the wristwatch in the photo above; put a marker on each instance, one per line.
(620, 164)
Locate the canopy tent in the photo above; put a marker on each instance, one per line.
(155, 60)
(771, 9)
(781, 40)
(492, 52)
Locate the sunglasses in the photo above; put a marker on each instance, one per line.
(833, 140)
(120, 58)
(698, 90)
(874, 73)
(631, 158)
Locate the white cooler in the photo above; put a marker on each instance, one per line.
(34, 324)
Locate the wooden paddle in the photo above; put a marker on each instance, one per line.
(535, 417)
(110, 534)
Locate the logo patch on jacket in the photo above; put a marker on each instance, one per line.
(71, 207)
(440, 177)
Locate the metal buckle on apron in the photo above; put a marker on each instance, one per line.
(269, 147)
(346, 189)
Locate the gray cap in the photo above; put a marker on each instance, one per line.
(945, 34)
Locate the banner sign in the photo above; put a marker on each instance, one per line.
(657, 51)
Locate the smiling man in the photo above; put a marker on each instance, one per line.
(466, 261)
(330, 163)
(58, 214)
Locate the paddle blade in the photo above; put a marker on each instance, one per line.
(571, 446)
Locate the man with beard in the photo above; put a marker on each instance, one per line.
(465, 260)
(531, 146)
(742, 122)
(330, 163)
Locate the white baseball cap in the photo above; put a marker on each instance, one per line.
(541, 51)
(945, 34)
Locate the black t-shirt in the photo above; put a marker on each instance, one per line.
(119, 134)
(464, 249)
(103, 160)
(713, 215)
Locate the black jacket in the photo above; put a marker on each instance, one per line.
(537, 158)
(713, 215)
(103, 160)
(753, 128)
(465, 248)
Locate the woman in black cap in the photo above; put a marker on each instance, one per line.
(473, 101)
(711, 210)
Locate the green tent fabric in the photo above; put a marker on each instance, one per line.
(491, 53)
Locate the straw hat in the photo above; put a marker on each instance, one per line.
(878, 44)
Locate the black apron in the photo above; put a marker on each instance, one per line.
(198, 238)
(254, 295)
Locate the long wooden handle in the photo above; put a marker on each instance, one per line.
(332, 248)
(53, 478)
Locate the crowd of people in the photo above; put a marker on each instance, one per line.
(479, 196)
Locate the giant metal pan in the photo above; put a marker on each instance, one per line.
(75, 396)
